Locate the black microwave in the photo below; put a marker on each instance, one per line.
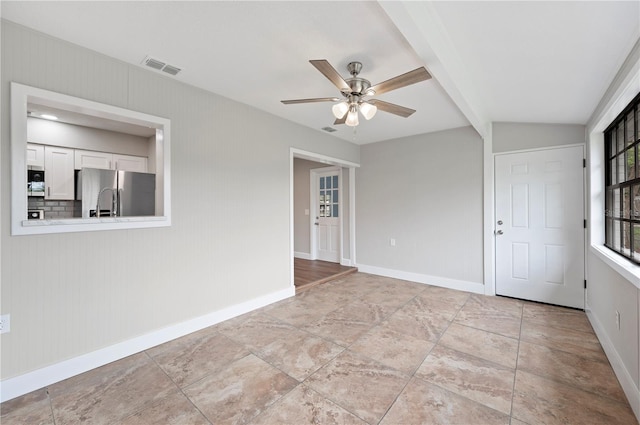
(35, 183)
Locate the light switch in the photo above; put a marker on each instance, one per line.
(306, 212)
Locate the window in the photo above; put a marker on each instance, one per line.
(622, 182)
(93, 115)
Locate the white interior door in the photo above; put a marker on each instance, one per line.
(327, 215)
(540, 226)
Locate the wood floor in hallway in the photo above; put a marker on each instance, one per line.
(309, 273)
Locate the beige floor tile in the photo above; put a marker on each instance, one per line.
(556, 317)
(425, 403)
(394, 294)
(411, 320)
(402, 352)
(191, 357)
(31, 408)
(591, 375)
(305, 406)
(348, 323)
(581, 343)
(362, 386)
(461, 349)
(477, 379)
(486, 345)
(173, 410)
(538, 400)
(240, 392)
(334, 294)
(303, 310)
(494, 314)
(256, 331)
(111, 392)
(442, 301)
(299, 353)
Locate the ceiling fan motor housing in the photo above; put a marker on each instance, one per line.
(358, 86)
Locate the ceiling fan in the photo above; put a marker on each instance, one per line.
(355, 90)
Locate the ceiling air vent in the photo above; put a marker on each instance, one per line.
(160, 66)
(171, 69)
(329, 129)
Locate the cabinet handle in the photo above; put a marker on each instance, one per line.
(49, 191)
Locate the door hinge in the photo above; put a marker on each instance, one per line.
(585, 284)
(584, 162)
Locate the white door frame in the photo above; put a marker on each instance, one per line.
(330, 161)
(490, 285)
(313, 208)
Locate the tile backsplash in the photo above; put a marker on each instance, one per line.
(56, 209)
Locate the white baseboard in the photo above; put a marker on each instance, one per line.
(346, 262)
(31, 381)
(444, 282)
(623, 375)
(302, 255)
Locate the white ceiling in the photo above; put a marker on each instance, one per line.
(518, 61)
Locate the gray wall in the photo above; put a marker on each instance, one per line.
(426, 192)
(509, 136)
(69, 294)
(608, 290)
(301, 201)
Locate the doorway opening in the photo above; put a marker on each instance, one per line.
(322, 218)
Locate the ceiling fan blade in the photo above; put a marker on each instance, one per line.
(312, 100)
(330, 72)
(392, 108)
(341, 120)
(411, 77)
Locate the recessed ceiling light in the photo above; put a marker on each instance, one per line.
(48, 117)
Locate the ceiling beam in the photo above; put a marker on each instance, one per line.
(420, 24)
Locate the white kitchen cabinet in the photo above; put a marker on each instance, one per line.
(59, 170)
(130, 163)
(109, 161)
(92, 159)
(35, 156)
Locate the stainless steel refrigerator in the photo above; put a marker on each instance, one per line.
(113, 193)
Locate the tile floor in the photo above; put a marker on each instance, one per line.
(361, 350)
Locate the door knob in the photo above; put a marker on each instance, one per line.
(499, 232)
(316, 224)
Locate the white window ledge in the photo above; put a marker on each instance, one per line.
(64, 225)
(624, 267)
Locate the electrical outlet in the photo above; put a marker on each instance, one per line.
(618, 320)
(5, 323)
(392, 242)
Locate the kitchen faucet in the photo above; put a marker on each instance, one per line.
(114, 202)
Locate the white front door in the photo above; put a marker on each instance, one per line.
(327, 215)
(540, 226)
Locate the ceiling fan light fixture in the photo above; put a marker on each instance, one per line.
(339, 109)
(368, 110)
(352, 116)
